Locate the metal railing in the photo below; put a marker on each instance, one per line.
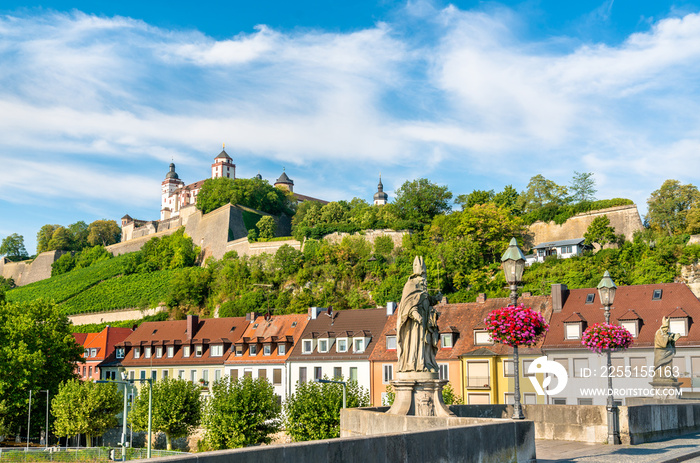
(76, 454)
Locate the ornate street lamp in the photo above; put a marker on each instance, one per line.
(606, 291)
(513, 265)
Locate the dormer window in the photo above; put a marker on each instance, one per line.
(253, 350)
(137, 352)
(341, 345)
(239, 350)
(198, 349)
(482, 338)
(307, 346)
(159, 351)
(171, 351)
(86, 354)
(658, 293)
(186, 351)
(267, 349)
(446, 341)
(323, 345)
(631, 326)
(679, 325)
(359, 345)
(573, 330)
(281, 348)
(590, 298)
(391, 343)
(217, 350)
(93, 352)
(120, 352)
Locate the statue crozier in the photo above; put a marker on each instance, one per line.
(416, 324)
(664, 350)
(417, 386)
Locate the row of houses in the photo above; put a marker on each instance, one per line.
(360, 345)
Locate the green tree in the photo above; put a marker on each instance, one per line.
(241, 413)
(103, 232)
(63, 264)
(189, 287)
(254, 193)
(421, 200)
(37, 351)
(78, 232)
(169, 252)
(177, 408)
(60, 240)
(313, 411)
(600, 231)
(668, 206)
(266, 227)
(582, 187)
(541, 192)
(13, 247)
(474, 198)
(85, 408)
(43, 237)
(508, 198)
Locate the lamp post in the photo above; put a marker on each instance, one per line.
(29, 418)
(150, 410)
(124, 413)
(513, 262)
(345, 388)
(606, 291)
(46, 431)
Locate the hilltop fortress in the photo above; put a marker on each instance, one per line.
(217, 232)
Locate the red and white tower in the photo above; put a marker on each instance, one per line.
(170, 204)
(223, 166)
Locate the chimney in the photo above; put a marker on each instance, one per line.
(390, 308)
(192, 325)
(481, 298)
(314, 311)
(559, 295)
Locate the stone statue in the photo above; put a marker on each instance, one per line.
(416, 324)
(664, 350)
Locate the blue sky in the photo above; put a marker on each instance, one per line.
(97, 97)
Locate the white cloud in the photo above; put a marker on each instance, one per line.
(467, 100)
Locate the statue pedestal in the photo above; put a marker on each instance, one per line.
(419, 394)
(666, 388)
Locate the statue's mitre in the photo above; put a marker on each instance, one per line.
(419, 266)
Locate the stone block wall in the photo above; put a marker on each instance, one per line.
(27, 272)
(369, 235)
(625, 220)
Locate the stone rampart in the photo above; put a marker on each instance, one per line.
(113, 316)
(625, 220)
(27, 272)
(369, 235)
(245, 248)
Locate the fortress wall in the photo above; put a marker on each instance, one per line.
(625, 220)
(370, 235)
(28, 272)
(114, 316)
(245, 248)
(135, 244)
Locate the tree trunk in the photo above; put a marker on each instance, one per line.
(168, 442)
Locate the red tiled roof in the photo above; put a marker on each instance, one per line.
(575, 317)
(174, 333)
(366, 323)
(104, 341)
(275, 330)
(677, 299)
(465, 317)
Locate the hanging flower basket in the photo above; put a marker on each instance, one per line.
(603, 336)
(516, 325)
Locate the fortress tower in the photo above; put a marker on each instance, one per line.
(223, 166)
(380, 198)
(285, 182)
(170, 187)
